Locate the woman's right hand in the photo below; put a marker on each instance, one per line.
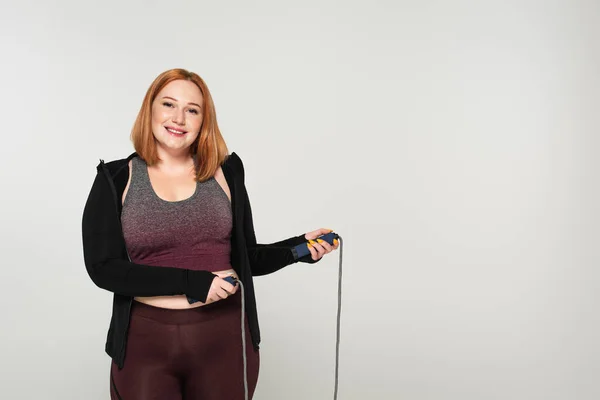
(220, 289)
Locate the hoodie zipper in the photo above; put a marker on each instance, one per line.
(116, 201)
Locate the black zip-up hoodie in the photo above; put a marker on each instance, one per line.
(109, 266)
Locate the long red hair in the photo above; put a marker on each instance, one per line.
(209, 147)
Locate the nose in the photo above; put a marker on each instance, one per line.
(178, 116)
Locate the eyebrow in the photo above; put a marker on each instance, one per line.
(193, 104)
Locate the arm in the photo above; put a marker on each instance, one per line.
(107, 265)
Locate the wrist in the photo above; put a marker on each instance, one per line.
(198, 284)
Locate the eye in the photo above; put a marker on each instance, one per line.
(193, 111)
(166, 103)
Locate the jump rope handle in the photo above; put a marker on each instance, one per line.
(302, 250)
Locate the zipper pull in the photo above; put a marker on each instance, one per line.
(100, 166)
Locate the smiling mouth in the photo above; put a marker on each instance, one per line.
(176, 131)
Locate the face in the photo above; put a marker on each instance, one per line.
(177, 115)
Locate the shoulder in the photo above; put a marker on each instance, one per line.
(234, 162)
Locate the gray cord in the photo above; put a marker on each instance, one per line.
(337, 331)
(244, 342)
(339, 314)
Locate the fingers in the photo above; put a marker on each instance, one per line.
(220, 290)
(313, 252)
(315, 234)
(325, 245)
(229, 288)
(318, 248)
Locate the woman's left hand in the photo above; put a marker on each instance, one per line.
(318, 248)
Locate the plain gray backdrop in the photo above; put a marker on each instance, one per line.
(453, 145)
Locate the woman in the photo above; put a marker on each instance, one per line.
(161, 229)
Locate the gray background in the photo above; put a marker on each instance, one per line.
(453, 145)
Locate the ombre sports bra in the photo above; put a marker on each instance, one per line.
(194, 233)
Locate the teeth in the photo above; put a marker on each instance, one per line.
(174, 131)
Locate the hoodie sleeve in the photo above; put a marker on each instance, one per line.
(268, 258)
(106, 260)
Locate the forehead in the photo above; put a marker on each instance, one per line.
(182, 90)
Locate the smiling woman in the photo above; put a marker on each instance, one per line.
(164, 229)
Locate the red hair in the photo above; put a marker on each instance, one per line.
(209, 146)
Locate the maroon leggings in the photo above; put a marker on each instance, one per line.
(189, 354)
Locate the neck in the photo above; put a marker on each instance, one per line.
(174, 160)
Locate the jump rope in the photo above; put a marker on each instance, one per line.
(300, 250)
